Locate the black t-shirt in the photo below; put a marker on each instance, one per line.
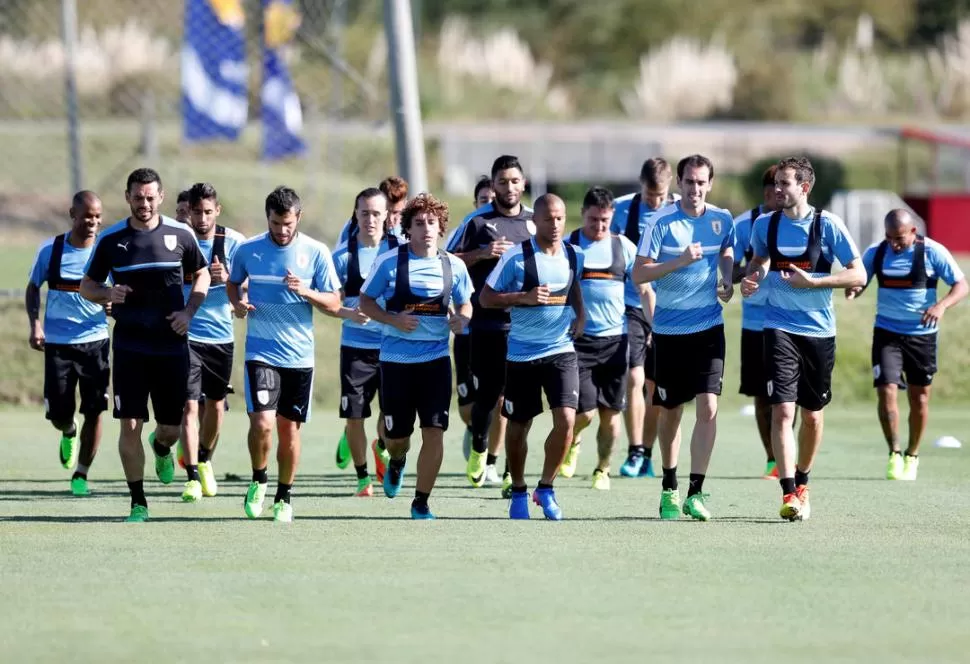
(151, 263)
(479, 232)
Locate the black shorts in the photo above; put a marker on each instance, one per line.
(799, 369)
(138, 377)
(556, 375)
(754, 382)
(360, 380)
(210, 370)
(602, 372)
(686, 365)
(286, 390)
(422, 389)
(638, 332)
(488, 351)
(902, 359)
(71, 367)
(464, 380)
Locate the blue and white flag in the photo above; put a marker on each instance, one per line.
(214, 72)
(282, 115)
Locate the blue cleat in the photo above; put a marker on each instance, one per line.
(631, 467)
(393, 480)
(519, 506)
(646, 470)
(546, 498)
(421, 513)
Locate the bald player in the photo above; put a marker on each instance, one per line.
(907, 267)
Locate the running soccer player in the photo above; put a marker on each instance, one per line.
(146, 256)
(289, 275)
(182, 207)
(211, 338)
(418, 284)
(539, 281)
(794, 248)
(633, 217)
(73, 337)
(907, 267)
(601, 350)
(360, 338)
(395, 190)
(691, 241)
(485, 238)
(753, 380)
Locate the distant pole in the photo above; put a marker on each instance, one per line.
(69, 30)
(405, 101)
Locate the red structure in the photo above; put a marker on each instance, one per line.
(934, 171)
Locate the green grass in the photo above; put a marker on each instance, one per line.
(877, 574)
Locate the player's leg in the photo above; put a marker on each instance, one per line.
(814, 393)
(292, 411)
(633, 416)
(919, 363)
(94, 377)
(674, 387)
(168, 380)
(783, 370)
(216, 375)
(609, 379)
(587, 357)
(887, 378)
(496, 442)
(464, 385)
(359, 374)
(753, 385)
(60, 385)
(400, 394)
(262, 388)
(488, 351)
(432, 407)
(559, 375)
(130, 389)
(189, 434)
(708, 361)
(523, 399)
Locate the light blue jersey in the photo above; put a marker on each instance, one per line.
(345, 233)
(604, 277)
(899, 309)
(804, 311)
(355, 335)
(752, 308)
(622, 225)
(538, 331)
(212, 323)
(687, 297)
(428, 341)
(280, 328)
(68, 317)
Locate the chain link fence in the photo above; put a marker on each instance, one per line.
(128, 69)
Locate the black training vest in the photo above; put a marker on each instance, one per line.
(354, 278)
(615, 272)
(218, 250)
(531, 278)
(917, 274)
(405, 300)
(811, 260)
(54, 279)
(749, 252)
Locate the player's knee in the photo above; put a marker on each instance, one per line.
(166, 434)
(783, 413)
(812, 419)
(636, 379)
(63, 424)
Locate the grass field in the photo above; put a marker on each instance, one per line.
(878, 574)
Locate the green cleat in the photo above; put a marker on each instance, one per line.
(894, 469)
(601, 479)
(670, 504)
(164, 465)
(79, 486)
(207, 477)
(69, 449)
(695, 508)
(568, 467)
(139, 514)
(253, 503)
(475, 469)
(282, 512)
(343, 451)
(910, 468)
(507, 485)
(192, 492)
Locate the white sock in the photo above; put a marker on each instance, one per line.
(81, 468)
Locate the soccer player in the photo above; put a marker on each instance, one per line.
(211, 338)
(146, 256)
(73, 337)
(601, 351)
(539, 280)
(794, 248)
(182, 207)
(753, 380)
(360, 338)
(907, 267)
(690, 243)
(419, 284)
(289, 275)
(484, 239)
(395, 190)
(633, 217)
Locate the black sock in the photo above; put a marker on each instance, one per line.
(421, 499)
(895, 452)
(361, 471)
(479, 443)
(506, 465)
(669, 480)
(787, 485)
(520, 489)
(912, 456)
(203, 453)
(491, 459)
(137, 490)
(635, 450)
(70, 433)
(397, 464)
(543, 485)
(78, 474)
(696, 484)
(192, 471)
(161, 450)
(647, 452)
(283, 492)
(259, 475)
(801, 479)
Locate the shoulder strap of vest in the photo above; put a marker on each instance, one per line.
(632, 230)
(530, 279)
(447, 280)
(392, 241)
(773, 231)
(54, 264)
(879, 258)
(574, 237)
(573, 280)
(219, 244)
